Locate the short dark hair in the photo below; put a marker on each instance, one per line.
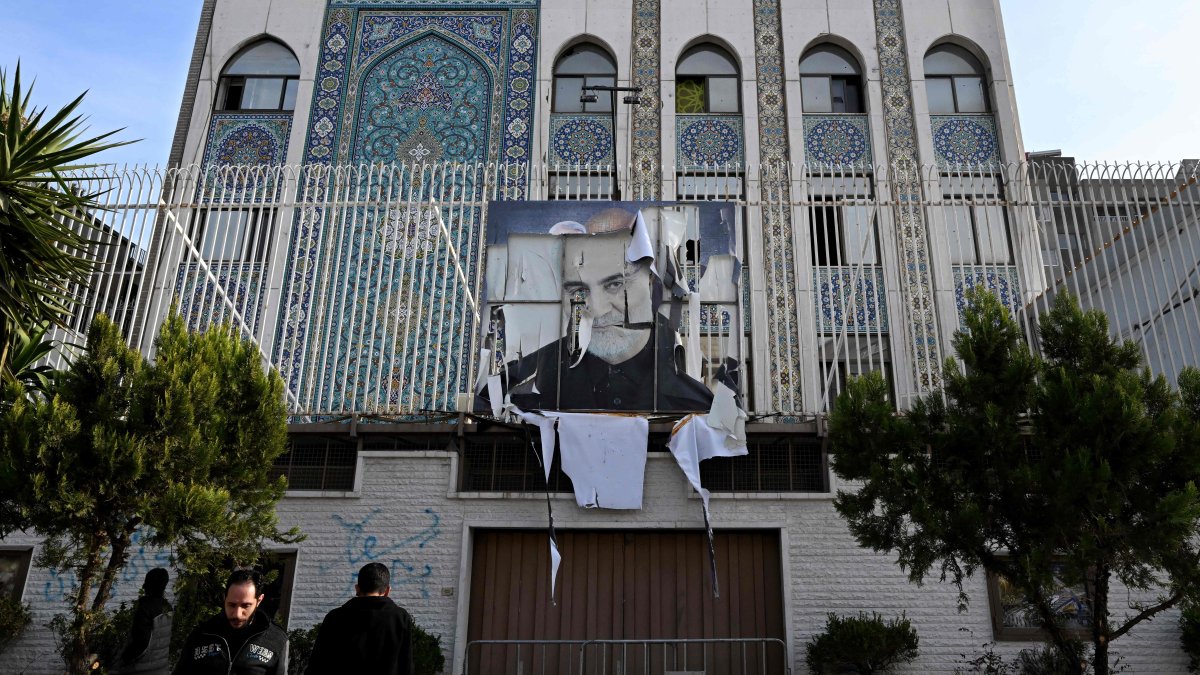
(245, 576)
(374, 578)
(156, 582)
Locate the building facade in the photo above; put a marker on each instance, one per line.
(334, 190)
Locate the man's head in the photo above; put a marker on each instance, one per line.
(243, 593)
(155, 584)
(373, 579)
(615, 294)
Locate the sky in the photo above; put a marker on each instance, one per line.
(1102, 80)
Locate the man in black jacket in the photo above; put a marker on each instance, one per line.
(370, 634)
(239, 641)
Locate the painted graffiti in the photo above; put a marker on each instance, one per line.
(61, 584)
(362, 547)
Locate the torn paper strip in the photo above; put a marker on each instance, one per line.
(545, 426)
(725, 416)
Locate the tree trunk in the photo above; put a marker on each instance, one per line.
(1100, 622)
(116, 561)
(76, 650)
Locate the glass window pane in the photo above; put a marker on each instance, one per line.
(689, 95)
(815, 93)
(960, 234)
(859, 239)
(993, 235)
(951, 60)
(941, 96)
(585, 60)
(826, 247)
(837, 95)
(262, 93)
(969, 94)
(708, 187)
(854, 96)
(828, 60)
(230, 96)
(224, 235)
(603, 98)
(723, 95)
(706, 60)
(566, 94)
(265, 58)
(289, 94)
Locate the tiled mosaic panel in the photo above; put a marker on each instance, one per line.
(581, 139)
(850, 299)
(202, 306)
(251, 142)
(379, 98)
(900, 123)
(707, 141)
(968, 140)
(645, 120)
(837, 139)
(1003, 282)
(784, 344)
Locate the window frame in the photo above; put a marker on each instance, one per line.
(854, 78)
(253, 248)
(839, 207)
(705, 80)
(24, 557)
(287, 83)
(603, 104)
(979, 73)
(956, 194)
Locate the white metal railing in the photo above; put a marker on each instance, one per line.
(361, 285)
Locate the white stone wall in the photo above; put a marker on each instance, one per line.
(405, 509)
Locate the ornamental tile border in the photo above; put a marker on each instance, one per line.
(645, 122)
(247, 140)
(510, 55)
(837, 140)
(707, 141)
(1003, 281)
(965, 141)
(900, 123)
(835, 293)
(581, 139)
(782, 316)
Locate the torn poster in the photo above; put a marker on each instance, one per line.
(693, 440)
(631, 306)
(546, 427)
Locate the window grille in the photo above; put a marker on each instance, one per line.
(501, 463)
(774, 464)
(318, 463)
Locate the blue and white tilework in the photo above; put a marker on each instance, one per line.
(401, 81)
(900, 122)
(581, 139)
(645, 119)
(240, 150)
(201, 305)
(837, 140)
(850, 299)
(1004, 282)
(965, 140)
(783, 338)
(707, 141)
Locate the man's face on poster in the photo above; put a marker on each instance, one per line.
(616, 295)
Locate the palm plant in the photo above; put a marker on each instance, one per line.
(46, 242)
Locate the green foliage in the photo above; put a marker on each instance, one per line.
(1189, 635)
(861, 644)
(105, 640)
(14, 617)
(180, 449)
(300, 646)
(427, 652)
(1076, 457)
(45, 225)
(1041, 660)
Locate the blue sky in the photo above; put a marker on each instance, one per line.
(1099, 79)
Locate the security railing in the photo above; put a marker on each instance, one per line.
(363, 286)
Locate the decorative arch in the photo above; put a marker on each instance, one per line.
(711, 39)
(965, 43)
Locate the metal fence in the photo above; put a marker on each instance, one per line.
(362, 285)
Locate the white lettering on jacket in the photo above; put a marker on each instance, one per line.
(206, 651)
(261, 653)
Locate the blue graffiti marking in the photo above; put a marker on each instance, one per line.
(362, 548)
(140, 562)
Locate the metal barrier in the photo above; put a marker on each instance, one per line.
(710, 656)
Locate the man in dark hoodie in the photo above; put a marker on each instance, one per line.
(370, 634)
(149, 645)
(240, 640)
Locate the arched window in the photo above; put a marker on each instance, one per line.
(583, 65)
(831, 81)
(954, 81)
(263, 76)
(706, 81)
